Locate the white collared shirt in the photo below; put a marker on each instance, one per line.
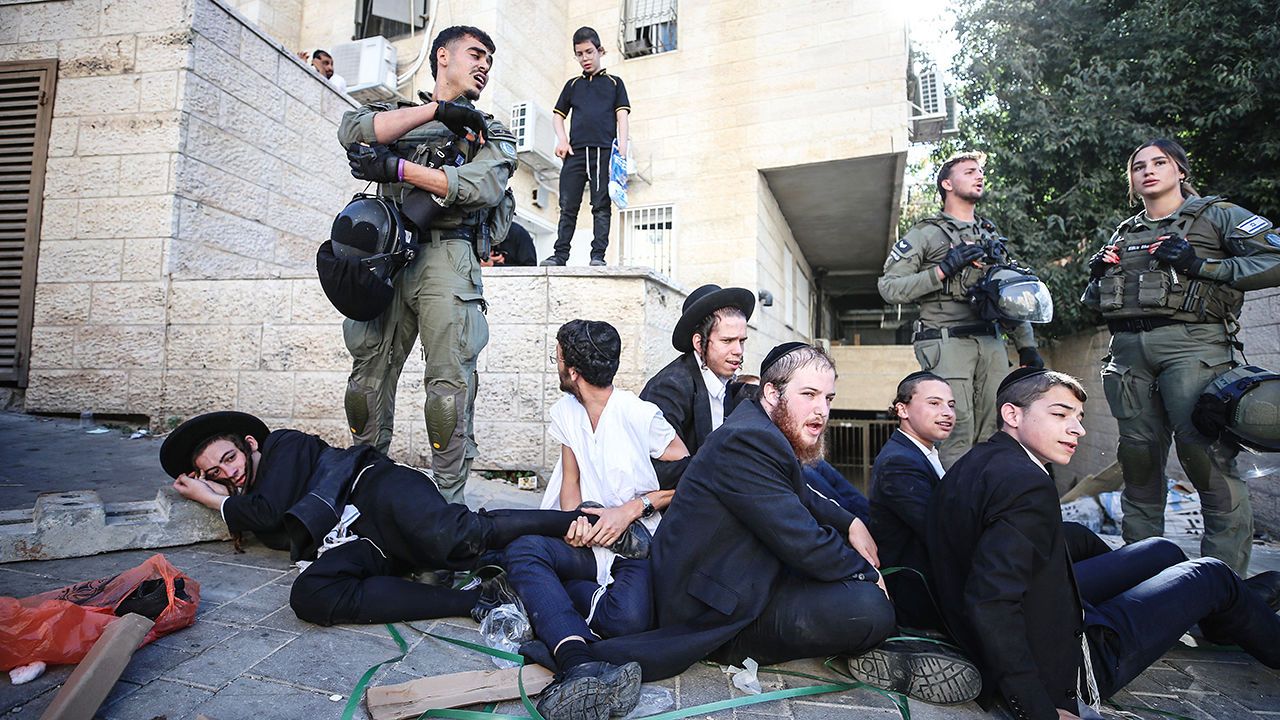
(1035, 459)
(715, 392)
(930, 452)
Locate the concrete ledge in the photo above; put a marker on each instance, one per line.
(77, 523)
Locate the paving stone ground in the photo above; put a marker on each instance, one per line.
(247, 656)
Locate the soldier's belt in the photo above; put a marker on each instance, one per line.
(1134, 325)
(458, 233)
(958, 331)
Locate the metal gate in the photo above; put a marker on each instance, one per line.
(852, 446)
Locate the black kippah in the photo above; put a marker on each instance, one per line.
(917, 374)
(1019, 375)
(776, 354)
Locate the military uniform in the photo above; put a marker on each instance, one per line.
(439, 296)
(1171, 334)
(951, 339)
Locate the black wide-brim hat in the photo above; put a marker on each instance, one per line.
(704, 301)
(176, 452)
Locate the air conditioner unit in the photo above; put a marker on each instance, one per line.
(368, 66)
(931, 93)
(933, 115)
(535, 137)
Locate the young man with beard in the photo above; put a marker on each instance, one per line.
(371, 521)
(935, 264)
(578, 589)
(1053, 638)
(750, 563)
(902, 479)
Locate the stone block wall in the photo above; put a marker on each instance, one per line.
(1081, 355)
(869, 374)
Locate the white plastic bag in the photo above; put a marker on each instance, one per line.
(506, 628)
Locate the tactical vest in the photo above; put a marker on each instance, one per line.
(1142, 286)
(982, 232)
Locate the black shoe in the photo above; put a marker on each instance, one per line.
(922, 670)
(597, 262)
(495, 591)
(1267, 586)
(554, 261)
(635, 541)
(592, 691)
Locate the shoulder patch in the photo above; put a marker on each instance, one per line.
(508, 149)
(1254, 225)
(902, 246)
(1273, 240)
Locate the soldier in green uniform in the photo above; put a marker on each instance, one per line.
(447, 165)
(936, 264)
(1170, 284)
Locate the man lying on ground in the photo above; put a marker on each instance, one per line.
(1050, 642)
(284, 486)
(580, 590)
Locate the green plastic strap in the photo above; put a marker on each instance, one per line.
(358, 691)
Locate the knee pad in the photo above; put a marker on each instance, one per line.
(445, 404)
(1143, 473)
(358, 404)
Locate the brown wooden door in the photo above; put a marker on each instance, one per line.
(26, 111)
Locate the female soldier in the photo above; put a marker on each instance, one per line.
(1170, 284)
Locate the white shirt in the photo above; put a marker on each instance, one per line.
(338, 83)
(613, 459)
(1035, 459)
(930, 452)
(715, 392)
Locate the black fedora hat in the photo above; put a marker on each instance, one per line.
(704, 301)
(176, 452)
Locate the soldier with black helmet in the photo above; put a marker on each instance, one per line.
(957, 266)
(445, 166)
(1170, 283)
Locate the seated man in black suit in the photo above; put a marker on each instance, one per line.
(902, 479)
(1003, 576)
(750, 563)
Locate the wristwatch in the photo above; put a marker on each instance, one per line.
(649, 509)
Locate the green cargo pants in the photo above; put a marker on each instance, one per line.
(974, 367)
(1152, 380)
(438, 299)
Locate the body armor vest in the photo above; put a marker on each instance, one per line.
(1142, 286)
(983, 233)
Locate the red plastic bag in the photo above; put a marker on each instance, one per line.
(61, 625)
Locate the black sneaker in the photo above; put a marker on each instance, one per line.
(591, 691)
(925, 671)
(495, 592)
(553, 261)
(1266, 585)
(635, 541)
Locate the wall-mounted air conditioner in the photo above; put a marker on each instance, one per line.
(368, 66)
(933, 115)
(535, 137)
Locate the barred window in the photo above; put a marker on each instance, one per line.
(648, 27)
(647, 237)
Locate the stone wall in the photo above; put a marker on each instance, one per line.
(1081, 355)
(869, 374)
(518, 382)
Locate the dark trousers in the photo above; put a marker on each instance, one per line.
(406, 525)
(1131, 629)
(584, 162)
(808, 618)
(556, 583)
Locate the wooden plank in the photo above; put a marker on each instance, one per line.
(83, 693)
(411, 699)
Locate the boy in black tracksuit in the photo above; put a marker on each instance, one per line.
(600, 110)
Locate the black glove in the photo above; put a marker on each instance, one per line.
(1098, 264)
(462, 120)
(958, 257)
(375, 163)
(1030, 357)
(1175, 250)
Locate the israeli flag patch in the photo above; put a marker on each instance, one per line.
(1254, 225)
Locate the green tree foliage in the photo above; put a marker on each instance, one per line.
(1059, 92)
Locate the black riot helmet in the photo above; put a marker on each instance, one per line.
(368, 244)
(1010, 292)
(1241, 406)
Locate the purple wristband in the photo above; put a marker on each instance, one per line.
(400, 170)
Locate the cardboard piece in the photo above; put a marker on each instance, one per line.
(411, 699)
(82, 694)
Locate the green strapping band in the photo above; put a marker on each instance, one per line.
(358, 691)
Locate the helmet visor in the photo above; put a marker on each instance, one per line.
(1026, 300)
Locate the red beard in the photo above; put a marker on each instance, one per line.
(807, 452)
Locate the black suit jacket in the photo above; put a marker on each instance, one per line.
(1002, 575)
(680, 392)
(902, 481)
(742, 520)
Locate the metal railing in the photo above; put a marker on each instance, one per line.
(852, 446)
